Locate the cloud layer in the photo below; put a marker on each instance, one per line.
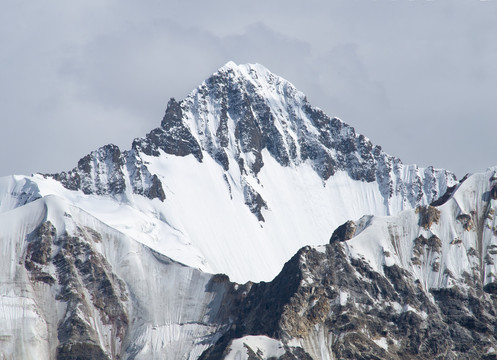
(417, 77)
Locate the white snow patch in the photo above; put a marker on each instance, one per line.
(381, 342)
(261, 345)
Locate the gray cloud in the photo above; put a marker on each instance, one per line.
(417, 77)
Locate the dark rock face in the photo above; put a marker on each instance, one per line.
(103, 172)
(80, 267)
(99, 172)
(155, 190)
(142, 181)
(259, 311)
(39, 253)
(359, 308)
(422, 249)
(248, 132)
(81, 351)
(493, 192)
(470, 318)
(343, 232)
(86, 283)
(173, 137)
(254, 201)
(466, 220)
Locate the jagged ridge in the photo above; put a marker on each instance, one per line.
(233, 116)
(418, 286)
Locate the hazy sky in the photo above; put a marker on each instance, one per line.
(417, 77)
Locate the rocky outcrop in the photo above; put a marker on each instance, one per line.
(254, 201)
(96, 317)
(142, 181)
(365, 314)
(466, 220)
(423, 248)
(172, 137)
(344, 232)
(39, 254)
(104, 172)
(493, 192)
(81, 270)
(99, 172)
(427, 216)
(235, 116)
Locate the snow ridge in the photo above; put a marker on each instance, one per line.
(239, 175)
(232, 117)
(443, 245)
(243, 168)
(418, 285)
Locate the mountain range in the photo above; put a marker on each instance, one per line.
(248, 225)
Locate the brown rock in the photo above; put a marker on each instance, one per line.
(427, 216)
(466, 221)
(344, 232)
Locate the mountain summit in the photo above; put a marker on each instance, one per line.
(233, 117)
(241, 161)
(115, 258)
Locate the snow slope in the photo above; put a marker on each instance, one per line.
(170, 311)
(205, 223)
(466, 229)
(239, 176)
(417, 285)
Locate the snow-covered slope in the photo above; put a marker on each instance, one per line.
(419, 285)
(72, 286)
(440, 246)
(239, 176)
(114, 258)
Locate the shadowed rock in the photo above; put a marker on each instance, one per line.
(493, 192)
(344, 232)
(427, 216)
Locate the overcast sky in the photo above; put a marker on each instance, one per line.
(417, 77)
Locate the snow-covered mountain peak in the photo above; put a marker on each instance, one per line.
(243, 160)
(232, 117)
(114, 258)
(254, 71)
